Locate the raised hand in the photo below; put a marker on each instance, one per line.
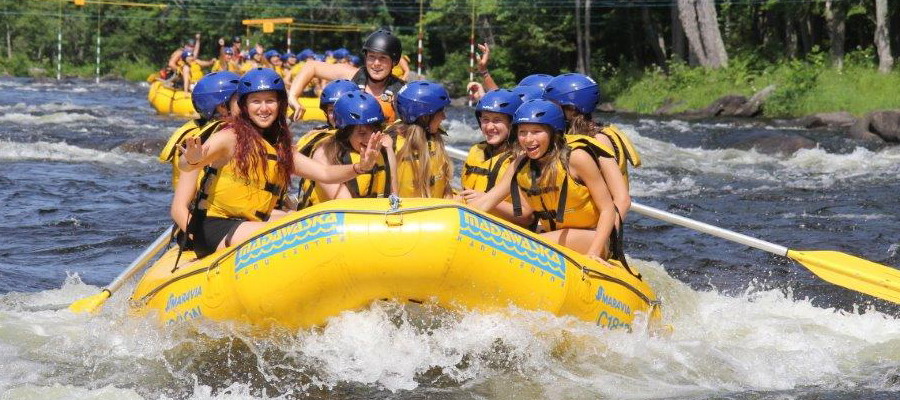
(482, 60)
(297, 107)
(192, 151)
(372, 152)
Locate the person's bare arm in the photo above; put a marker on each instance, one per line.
(195, 156)
(315, 69)
(181, 201)
(308, 168)
(482, 61)
(332, 190)
(615, 181)
(584, 168)
(197, 45)
(173, 59)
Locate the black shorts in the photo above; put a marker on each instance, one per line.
(212, 231)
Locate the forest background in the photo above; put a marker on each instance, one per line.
(834, 55)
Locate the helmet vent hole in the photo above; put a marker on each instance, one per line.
(355, 116)
(504, 104)
(540, 114)
(277, 81)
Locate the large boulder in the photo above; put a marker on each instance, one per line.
(840, 119)
(878, 125)
(149, 146)
(767, 141)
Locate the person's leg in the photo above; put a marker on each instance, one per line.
(575, 239)
(240, 233)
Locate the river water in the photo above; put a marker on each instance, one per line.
(77, 208)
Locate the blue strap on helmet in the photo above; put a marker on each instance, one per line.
(260, 80)
(420, 98)
(528, 92)
(541, 112)
(503, 101)
(357, 108)
(577, 90)
(334, 90)
(539, 80)
(213, 90)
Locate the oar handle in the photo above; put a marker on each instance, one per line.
(139, 262)
(710, 229)
(458, 154)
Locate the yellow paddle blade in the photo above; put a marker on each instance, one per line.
(852, 272)
(90, 303)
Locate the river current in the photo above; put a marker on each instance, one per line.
(78, 207)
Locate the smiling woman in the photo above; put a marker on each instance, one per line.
(249, 164)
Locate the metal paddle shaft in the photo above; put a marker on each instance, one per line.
(91, 303)
(138, 264)
(710, 229)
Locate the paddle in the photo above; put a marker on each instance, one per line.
(838, 268)
(91, 303)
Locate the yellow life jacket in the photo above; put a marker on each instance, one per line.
(307, 145)
(279, 70)
(375, 183)
(565, 203)
(169, 152)
(406, 171)
(624, 149)
(217, 66)
(228, 195)
(196, 72)
(247, 66)
(483, 168)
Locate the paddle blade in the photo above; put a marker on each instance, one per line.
(90, 303)
(851, 272)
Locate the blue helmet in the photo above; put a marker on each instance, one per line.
(528, 92)
(287, 55)
(356, 61)
(187, 53)
(335, 89)
(260, 80)
(251, 53)
(503, 101)
(304, 54)
(329, 53)
(341, 54)
(271, 53)
(420, 98)
(539, 80)
(577, 90)
(212, 90)
(357, 108)
(319, 57)
(228, 50)
(539, 111)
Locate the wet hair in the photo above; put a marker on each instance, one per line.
(581, 124)
(249, 150)
(557, 152)
(416, 151)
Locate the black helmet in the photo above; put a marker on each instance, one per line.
(383, 41)
(236, 39)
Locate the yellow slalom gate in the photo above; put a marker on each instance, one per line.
(344, 254)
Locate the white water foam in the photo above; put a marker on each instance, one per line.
(805, 169)
(15, 151)
(760, 341)
(52, 118)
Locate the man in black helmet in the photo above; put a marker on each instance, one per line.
(381, 52)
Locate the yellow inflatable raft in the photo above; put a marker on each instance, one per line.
(344, 254)
(169, 101)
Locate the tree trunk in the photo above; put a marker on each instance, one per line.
(806, 32)
(579, 45)
(587, 37)
(654, 39)
(836, 16)
(698, 18)
(678, 52)
(882, 37)
(8, 42)
(790, 36)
